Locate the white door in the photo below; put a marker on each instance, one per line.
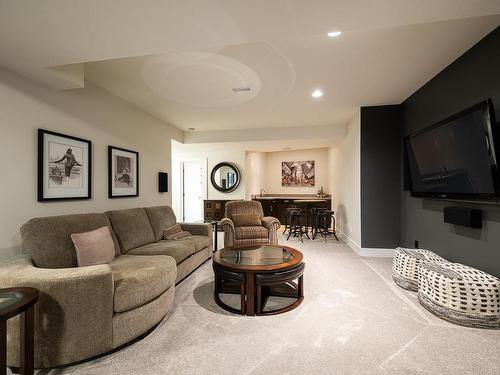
(192, 186)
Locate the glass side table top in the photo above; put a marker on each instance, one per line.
(256, 255)
(9, 298)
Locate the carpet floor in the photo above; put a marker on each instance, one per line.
(354, 320)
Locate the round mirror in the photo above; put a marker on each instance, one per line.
(225, 177)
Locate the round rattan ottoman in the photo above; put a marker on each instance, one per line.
(405, 265)
(460, 294)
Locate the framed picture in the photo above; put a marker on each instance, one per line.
(297, 173)
(123, 173)
(64, 167)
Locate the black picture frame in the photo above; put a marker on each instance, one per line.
(134, 191)
(44, 174)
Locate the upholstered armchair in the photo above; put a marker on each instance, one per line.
(245, 224)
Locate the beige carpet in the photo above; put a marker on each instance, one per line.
(354, 320)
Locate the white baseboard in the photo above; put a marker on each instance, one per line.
(365, 251)
(376, 252)
(349, 241)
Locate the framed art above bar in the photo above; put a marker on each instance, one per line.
(64, 167)
(123, 173)
(297, 173)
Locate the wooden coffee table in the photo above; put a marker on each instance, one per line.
(256, 273)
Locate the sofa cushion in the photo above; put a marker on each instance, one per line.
(177, 236)
(132, 228)
(47, 240)
(178, 249)
(160, 217)
(243, 233)
(94, 247)
(200, 242)
(139, 279)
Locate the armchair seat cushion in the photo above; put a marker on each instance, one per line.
(250, 232)
(138, 280)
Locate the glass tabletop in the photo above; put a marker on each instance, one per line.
(257, 256)
(8, 299)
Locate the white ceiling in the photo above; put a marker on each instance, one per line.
(180, 60)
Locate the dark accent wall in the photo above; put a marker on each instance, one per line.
(473, 77)
(381, 176)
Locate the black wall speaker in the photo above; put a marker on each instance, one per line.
(162, 182)
(467, 217)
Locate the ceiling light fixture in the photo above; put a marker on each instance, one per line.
(333, 34)
(191, 128)
(317, 93)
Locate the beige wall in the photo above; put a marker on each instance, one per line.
(345, 168)
(255, 168)
(90, 113)
(236, 157)
(209, 155)
(272, 182)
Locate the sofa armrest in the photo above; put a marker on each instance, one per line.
(270, 222)
(73, 316)
(200, 229)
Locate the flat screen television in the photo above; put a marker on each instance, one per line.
(456, 158)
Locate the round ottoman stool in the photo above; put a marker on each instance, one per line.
(405, 266)
(460, 294)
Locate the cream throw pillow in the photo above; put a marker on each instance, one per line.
(94, 247)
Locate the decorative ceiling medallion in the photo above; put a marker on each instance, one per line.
(201, 79)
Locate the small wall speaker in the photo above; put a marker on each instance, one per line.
(162, 182)
(467, 217)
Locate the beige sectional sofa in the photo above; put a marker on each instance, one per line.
(86, 311)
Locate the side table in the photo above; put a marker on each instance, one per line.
(15, 301)
(215, 225)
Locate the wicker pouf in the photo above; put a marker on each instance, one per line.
(405, 265)
(460, 294)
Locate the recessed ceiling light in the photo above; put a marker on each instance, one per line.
(317, 94)
(333, 34)
(191, 129)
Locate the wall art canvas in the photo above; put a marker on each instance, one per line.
(123, 172)
(297, 173)
(64, 167)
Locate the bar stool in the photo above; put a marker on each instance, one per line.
(324, 218)
(315, 219)
(296, 227)
(307, 205)
(287, 218)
